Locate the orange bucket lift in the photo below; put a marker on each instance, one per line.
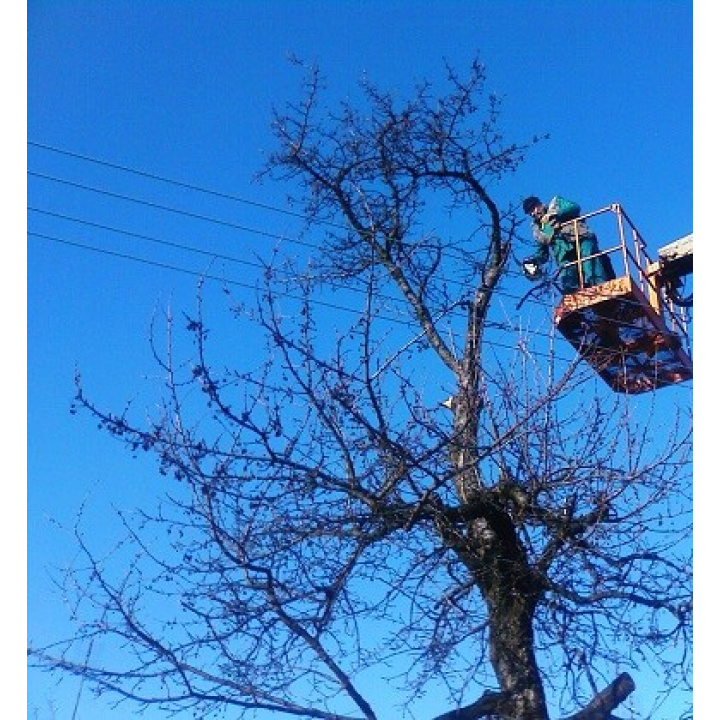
(630, 330)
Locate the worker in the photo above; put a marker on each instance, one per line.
(555, 227)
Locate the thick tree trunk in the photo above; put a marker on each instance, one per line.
(512, 655)
(492, 551)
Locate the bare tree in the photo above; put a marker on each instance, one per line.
(335, 534)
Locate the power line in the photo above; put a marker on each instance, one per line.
(168, 208)
(215, 193)
(196, 216)
(185, 213)
(238, 283)
(213, 255)
(178, 183)
(197, 188)
(195, 273)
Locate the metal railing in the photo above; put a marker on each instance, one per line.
(631, 252)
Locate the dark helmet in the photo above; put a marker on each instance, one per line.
(529, 203)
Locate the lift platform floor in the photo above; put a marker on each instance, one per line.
(626, 341)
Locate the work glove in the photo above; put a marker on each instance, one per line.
(550, 220)
(531, 269)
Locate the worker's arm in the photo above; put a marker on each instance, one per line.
(562, 210)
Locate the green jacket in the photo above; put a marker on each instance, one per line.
(561, 240)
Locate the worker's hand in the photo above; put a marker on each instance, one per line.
(550, 220)
(531, 269)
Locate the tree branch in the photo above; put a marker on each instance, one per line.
(607, 700)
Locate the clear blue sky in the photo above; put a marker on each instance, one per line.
(184, 91)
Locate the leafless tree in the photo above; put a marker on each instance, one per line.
(335, 535)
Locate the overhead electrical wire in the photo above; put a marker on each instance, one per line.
(177, 183)
(196, 216)
(219, 256)
(203, 190)
(207, 218)
(230, 281)
(208, 253)
(225, 223)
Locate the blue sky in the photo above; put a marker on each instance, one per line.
(122, 96)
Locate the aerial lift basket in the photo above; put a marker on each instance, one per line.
(628, 329)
